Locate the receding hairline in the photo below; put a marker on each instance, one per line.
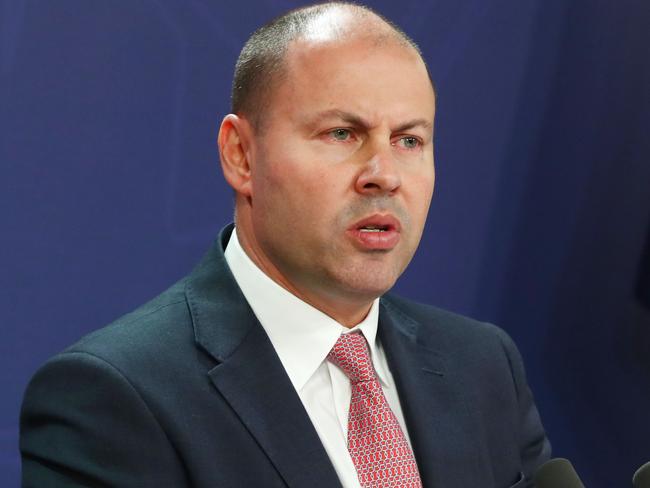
(339, 21)
(262, 64)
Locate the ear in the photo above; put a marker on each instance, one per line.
(235, 143)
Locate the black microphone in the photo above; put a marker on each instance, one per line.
(641, 478)
(557, 473)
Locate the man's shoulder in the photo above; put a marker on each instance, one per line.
(154, 329)
(452, 329)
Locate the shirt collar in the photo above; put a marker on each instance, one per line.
(301, 334)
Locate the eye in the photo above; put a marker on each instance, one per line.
(340, 134)
(409, 142)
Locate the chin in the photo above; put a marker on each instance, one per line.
(367, 285)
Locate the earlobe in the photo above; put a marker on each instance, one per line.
(234, 151)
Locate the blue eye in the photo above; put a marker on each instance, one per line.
(340, 134)
(410, 142)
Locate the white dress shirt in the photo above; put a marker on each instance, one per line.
(303, 337)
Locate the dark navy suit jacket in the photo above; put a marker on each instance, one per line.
(188, 391)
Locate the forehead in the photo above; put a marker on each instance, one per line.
(363, 74)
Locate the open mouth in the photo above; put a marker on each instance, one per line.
(378, 223)
(377, 232)
(374, 228)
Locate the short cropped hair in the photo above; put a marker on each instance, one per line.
(261, 63)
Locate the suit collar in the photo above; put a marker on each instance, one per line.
(250, 376)
(438, 415)
(220, 314)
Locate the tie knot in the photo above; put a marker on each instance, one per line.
(351, 354)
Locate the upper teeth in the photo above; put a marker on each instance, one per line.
(371, 228)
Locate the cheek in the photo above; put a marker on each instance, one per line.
(420, 188)
(307, 185)
(427, 194)
(419, 202)
(291, 197)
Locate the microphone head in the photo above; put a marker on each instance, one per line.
(557, 473)
(641, 478)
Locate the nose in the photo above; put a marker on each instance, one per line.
(379, 175)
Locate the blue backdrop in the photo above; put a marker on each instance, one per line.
(110, 187)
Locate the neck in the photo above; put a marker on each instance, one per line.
(347, 309)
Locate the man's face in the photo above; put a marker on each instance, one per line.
(342, 173)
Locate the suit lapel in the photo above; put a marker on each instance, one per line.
(250, 375)
(255, 384)
(440, 424)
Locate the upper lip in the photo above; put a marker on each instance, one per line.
(388, 222)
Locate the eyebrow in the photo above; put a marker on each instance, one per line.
(359, 121)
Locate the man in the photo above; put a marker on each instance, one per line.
(275, 363)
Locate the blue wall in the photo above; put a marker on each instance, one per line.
(110, 187)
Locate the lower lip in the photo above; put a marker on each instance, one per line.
(383, 240)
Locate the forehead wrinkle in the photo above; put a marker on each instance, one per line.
(411, 124)
(359, 121)
(344, 116)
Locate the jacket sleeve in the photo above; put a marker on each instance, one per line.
(84, 424)
(534, 446)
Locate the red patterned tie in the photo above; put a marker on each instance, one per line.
(379, 450)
